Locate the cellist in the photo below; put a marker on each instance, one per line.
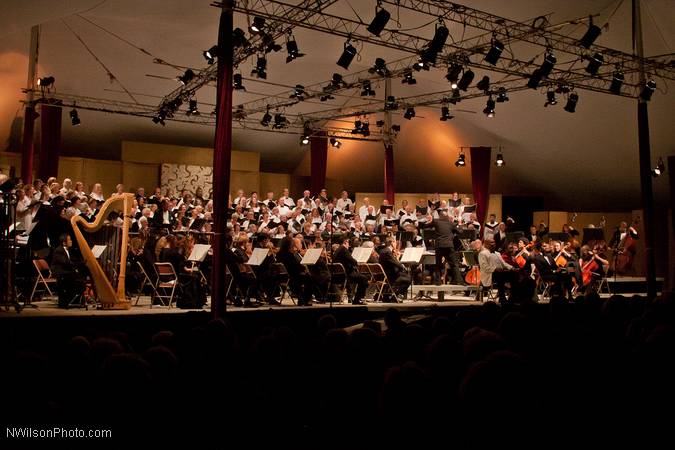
(593, 266)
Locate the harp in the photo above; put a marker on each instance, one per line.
(109, 271)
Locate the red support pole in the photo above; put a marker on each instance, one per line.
(50, 141)
(222, 158)
(481, 158)
(389, 191)
(27, 145)
(319, 161)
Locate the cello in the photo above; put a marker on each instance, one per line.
(588, 269)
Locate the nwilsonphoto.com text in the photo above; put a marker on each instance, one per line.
(56, 433)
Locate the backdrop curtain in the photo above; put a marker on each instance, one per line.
(481, 159)
(50, 141)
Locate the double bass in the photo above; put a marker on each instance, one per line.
(625, 250)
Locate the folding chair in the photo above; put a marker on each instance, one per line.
(381, 281)
(146, 279)
(281, 279)
(167, 280)
(364, 270)
(40, 267)
(338, 280)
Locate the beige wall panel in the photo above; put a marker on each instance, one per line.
(248, 181)
(70, 167)
(274, 182)
(147, 152)
(108, 173)
(135, 175)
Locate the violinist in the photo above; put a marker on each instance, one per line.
(264, 272)
(320, 273)
(300, 281)
(509, 255)
(396, 273)
(236, 259)
(566, 259)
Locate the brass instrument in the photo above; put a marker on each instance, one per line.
(109, 297)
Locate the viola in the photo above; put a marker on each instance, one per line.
(519, 258)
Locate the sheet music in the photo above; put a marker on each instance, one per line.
(362, 254)
(199, 252)
(98, 250)
(258, 256)
(311, 256)
(412, 255)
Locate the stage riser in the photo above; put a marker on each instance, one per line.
(632, 287)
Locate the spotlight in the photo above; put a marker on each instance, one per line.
(548, 64)
(279, 121)
(257, 25)
(357, 127)
(572, 100)
(436, 45)
(159, 118)
(466, 80)
(396, 128)
(501, 95)
(298, 92)
(269, 44)
(484, 84)
(453, 74)
(421, 65)
(347, 56)
(489, 107)
(335, 83)
(535, 79)
(260, 70)
(409, 113)
(445, 114)
(408, 77)
(379, 123)
(595, 63)
(335, 143)
(563, 89)
(591, 35)
(379, 68)
(379, 22)
(648, 90)
(455, 96)
(365, 129)
(461, 161)
(74, 118)
(617, 82)
(499, 162)
(326, 97)
(46, 81)
(659, 169)
(267, 118)
(367, 89)
(550, 98)
(390, 104)
(238, 39)
(495, 52)
(237, 82)
(192, 108)
(211, 54)
(186, 77)
(292, 49)
(238, 114)
(304, 139)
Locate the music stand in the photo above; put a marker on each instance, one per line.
(362, 254)
(593, 234)
(412, 256)
(429, 237)
(311, 256)
(561, 237)
(467, 234)
(514, 236)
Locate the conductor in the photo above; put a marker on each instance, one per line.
(445, 229)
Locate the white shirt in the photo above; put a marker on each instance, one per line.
(23, 213)
(412, 217)
(96, 196)
(344, 203)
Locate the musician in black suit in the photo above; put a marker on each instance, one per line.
(620, 234)
(163, 217)
(300, 281)
(354, 277)
(445, 230)
(544, 262)
(235, 259)
(396, 273)
(499, 237)
(69, 282)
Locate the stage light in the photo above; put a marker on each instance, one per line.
(445, 114)
(648, 90)
(461, 160)
(335, 143)
(238, 39)
(367, 89)
(279, 121)
(357, 127)
(590, 36)
(466, 80)
(453, 74)
(267, 118)
(489, 107)
(211, 54)
(535, 79)
(455, 96)
(192, 108)
(159, 118)
(379, 21)
(501, 95)
(550, 98)
(572, 100)
(257, 25)
(659, 169)
(74, 118)
(484, 84)
(421, 65)
(365, 129)
(326, 97)
(595, 63)
(335, 83)
(380, 68)
(390, 104)
(260, 70)
(495, 52)
(409, 113)
(46, 81)
(436, 45)
(237, 82)
(499, 162)
(239, 113)
(186, 77)
(379, 123)
(396, 128)
(307, 132)
(617, 82)
(292, 49)
(547, 66)
(270, 44)
(408, 77)
(348, 54)
(298, 92)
